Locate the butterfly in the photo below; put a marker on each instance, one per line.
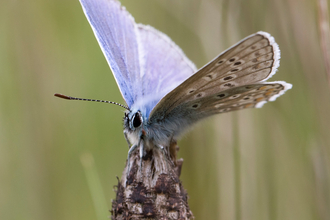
(164, 92)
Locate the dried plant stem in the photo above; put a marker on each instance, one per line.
(324, 33)
(154, 191)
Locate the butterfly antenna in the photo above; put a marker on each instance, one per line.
(90, 100)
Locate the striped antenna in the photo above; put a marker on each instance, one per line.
(90, 100)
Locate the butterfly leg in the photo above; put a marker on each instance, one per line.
(141, 152)
(129, 156)
(127, 140)
(130, 151)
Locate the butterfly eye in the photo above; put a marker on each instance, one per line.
(137, 120)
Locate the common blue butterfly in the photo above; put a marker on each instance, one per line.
(164, 92)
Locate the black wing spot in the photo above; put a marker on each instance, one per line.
(228, 78)
(195, 106)
(229, 85)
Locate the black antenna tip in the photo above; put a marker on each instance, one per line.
(62, 96)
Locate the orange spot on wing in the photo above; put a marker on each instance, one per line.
(263, 87)
(268, 93)
(259, 99)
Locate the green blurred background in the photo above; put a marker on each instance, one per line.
(269, 163)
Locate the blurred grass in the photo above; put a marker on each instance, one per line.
(283, 151)
(98, 196)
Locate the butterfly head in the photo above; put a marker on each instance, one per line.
(133, 120)
(134, 129)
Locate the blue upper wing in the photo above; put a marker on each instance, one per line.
(115, 31)
(145, 62)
